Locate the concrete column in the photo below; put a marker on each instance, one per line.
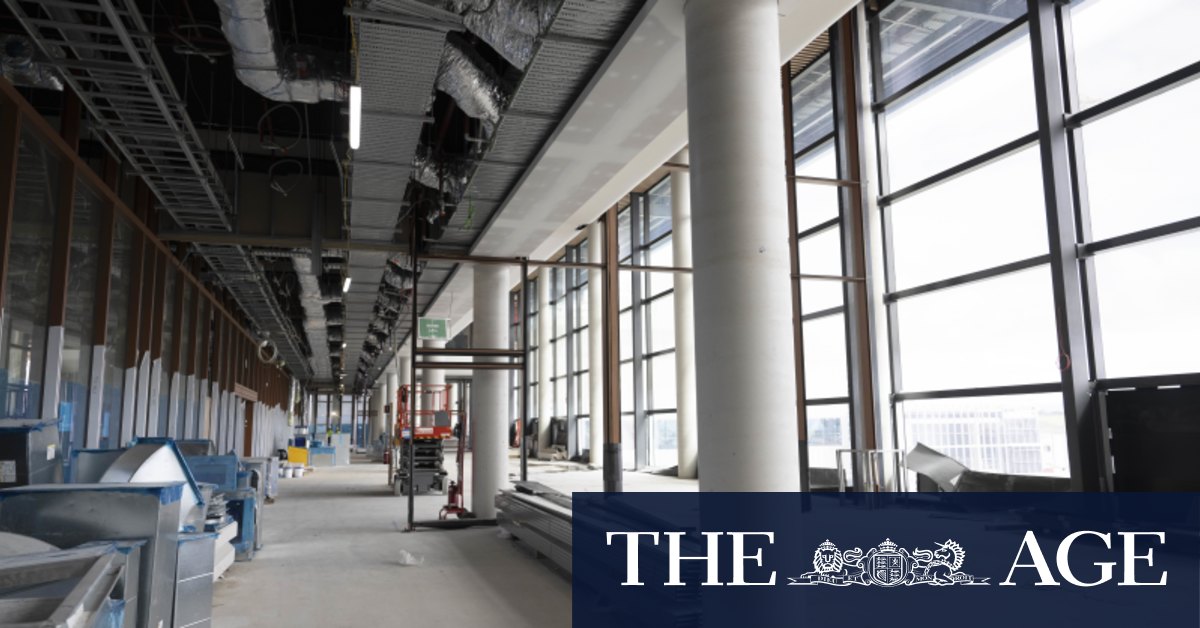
(489, 392)
(431, 377)
(375, 413)
(393, 394)
(545, 332)
(685, 333)
(745, 370)
(595, 337)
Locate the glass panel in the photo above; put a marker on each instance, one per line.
(78, 337)
(27, 287)
(168, 331)
(581, 395)
(828, 431)
(581, 348)
(625, 330)
(825, 367)
(627, 384)
(560, 357)
(625, 289)
(186, 333)
(992, 216)
(623, 234)
(658, 201)
(661, 254)
(1149, 307)
(1163, 30)
(1135, 158)
(582, 302)
(987, 333)
(821, 254)
(560, 397)
(1018, 434)
(660, 325)
(661, 385)
(628, 461)
(114, 346)
(816, 203)
(812, 104)
(560, 316)
(664, 450)
(986, 104)
(917, 37)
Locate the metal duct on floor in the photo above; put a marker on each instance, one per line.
(293, 74)
(18, 65)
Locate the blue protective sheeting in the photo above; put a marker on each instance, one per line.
(219, 470)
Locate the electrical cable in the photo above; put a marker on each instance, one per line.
(265, 117)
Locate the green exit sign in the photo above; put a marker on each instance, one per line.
(433, 329)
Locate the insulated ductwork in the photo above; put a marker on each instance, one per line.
(511, 27)
(294, 74)
(18, 65)
(471, 81)
(314, 317)
(447, 177)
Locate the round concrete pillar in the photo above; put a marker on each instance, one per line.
(746, 397)
(685, 334)
(489, 392)
(545, 332)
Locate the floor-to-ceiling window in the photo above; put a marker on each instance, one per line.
(970, 302)
(114, 347)
(531, 320)
(820, 231)
(168, 333)
(78, 337)
(27, 284)
(185, 331)
(658, 337)
(1133, 115)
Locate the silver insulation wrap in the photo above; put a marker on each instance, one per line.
(314, 314)
(295, 76)
(511, 27)
(472, 83)
(18, 65)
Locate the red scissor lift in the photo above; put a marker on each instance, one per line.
(431, 423)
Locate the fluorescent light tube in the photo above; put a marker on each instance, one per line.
(346, 284)
(355, 115)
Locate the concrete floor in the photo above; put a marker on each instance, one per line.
(332, 558)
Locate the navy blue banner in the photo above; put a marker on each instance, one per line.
(894, 560)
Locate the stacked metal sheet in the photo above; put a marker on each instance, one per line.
(540, 517)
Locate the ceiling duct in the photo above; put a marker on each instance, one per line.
(18, 65)
(511, 27)
(473, 83)
(314, 316)
(450, 177)
(292, 74)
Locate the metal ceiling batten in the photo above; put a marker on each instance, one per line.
(111, 63)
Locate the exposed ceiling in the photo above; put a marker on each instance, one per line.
(630, 120)
(494, 126)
